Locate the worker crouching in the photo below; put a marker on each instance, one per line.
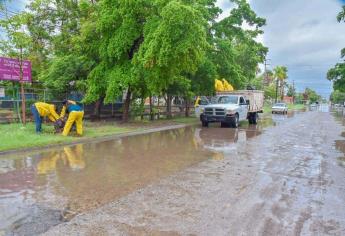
(75, 114)
(42, 109)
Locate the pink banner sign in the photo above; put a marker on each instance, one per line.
(10, 69)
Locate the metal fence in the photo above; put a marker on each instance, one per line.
(11, 103)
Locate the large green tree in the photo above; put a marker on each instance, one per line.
(237, 53)
(155, 41)
(337, 73)
(338, 97)
(312, 95)
(142, 48)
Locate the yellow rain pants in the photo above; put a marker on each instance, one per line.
(77, 117)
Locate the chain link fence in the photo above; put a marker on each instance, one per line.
(11, 103)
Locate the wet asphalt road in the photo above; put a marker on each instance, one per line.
(282, 177)
(287, 181)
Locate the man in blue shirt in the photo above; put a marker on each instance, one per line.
(75, 114)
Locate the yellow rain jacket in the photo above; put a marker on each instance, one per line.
(47, 110)
(218, 85)
(227, 86)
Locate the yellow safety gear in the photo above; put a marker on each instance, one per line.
(64, 108)
(197, 102)
(227, 86)
(218, 85)
(77, 117)
(47, 110)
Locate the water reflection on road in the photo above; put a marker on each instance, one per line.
(339, 114)
(39, 190)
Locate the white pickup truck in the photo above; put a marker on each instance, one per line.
(229, 108)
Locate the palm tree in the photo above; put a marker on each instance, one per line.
(280, 72)
(341, 15)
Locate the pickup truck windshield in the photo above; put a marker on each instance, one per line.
(228, 100)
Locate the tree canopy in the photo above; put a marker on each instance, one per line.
(139, 48)
(337, 97)
(337, 73)
(312, 95)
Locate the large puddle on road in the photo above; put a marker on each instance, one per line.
(40, 190)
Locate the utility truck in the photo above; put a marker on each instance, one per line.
(229, 108)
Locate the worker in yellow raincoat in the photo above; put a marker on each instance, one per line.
(227, 87)
(218, 84)
(197, 101)
(75, 114)
(42, 109)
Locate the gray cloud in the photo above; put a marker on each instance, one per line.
(303, 35)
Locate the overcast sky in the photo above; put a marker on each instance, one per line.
(300, 34)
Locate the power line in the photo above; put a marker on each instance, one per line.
(310, 65)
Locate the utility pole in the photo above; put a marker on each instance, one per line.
(294, 92)
(277, 80)
(21, 81)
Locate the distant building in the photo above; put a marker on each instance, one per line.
(288, 100)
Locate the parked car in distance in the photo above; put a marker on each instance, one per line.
(281, 108)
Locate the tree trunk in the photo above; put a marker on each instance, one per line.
(187, 110)
(142, 106)
(98, 108)
(282, 91)
(158, 113)
(169, 113)
(152, 116)
(126, 105)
